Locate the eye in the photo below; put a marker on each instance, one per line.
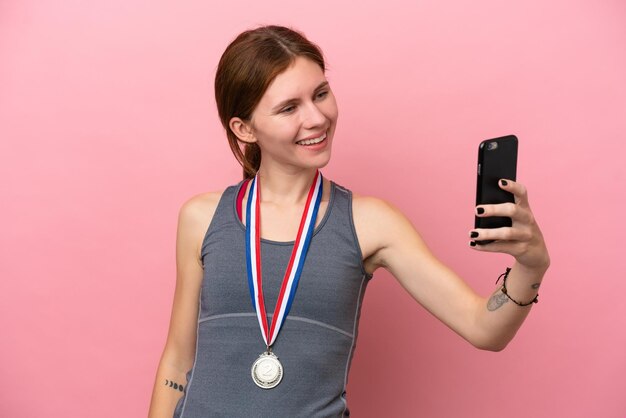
(322, 94)
(288, 109)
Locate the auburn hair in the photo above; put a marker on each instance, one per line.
(247, 67)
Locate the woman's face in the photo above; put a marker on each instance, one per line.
(297, 105)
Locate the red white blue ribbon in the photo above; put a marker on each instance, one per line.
(294, 268)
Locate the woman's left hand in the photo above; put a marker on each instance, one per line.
(523, 240)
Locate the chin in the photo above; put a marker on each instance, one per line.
(325, 162)
(316, 163)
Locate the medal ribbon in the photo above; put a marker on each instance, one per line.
(294, 268)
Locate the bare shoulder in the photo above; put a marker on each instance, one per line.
(201, 202)
(376, 211)
(375, 221)
(366, 204)
(390, 240)
(195, 216)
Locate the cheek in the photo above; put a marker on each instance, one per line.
(276, 130)
(331, 109)
(277, 134)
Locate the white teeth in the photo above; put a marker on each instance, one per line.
(312, 141)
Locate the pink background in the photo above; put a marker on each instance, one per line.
(108, 123)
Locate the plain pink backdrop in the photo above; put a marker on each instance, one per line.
(108, 124)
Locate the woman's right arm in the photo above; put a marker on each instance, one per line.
(178, 355)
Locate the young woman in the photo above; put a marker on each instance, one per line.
(271, 272)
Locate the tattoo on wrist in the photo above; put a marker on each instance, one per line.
(496, 300)
(536, 286)
(174, 385)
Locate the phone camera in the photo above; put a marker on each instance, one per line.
(491, 146)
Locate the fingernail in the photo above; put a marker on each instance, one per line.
(480, 211)
(472, 243)
(504, 182)
(474, 234)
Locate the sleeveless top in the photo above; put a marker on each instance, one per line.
(317, 341)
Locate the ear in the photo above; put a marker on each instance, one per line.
(242, 129)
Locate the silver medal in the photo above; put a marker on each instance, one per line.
(267, 372)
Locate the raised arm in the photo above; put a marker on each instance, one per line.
(179, 352)
(487, 323)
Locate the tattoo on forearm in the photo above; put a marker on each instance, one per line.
(174, 385)
(497, 300)
(536, 286)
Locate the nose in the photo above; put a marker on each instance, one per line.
(313, 116)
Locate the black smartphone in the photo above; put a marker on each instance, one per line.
(497, 159)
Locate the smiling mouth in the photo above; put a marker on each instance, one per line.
(312, 141)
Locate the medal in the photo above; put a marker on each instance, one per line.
(267, 371)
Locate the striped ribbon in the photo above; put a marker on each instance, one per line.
(294, 268)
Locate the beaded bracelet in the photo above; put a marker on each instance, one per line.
(505, 275)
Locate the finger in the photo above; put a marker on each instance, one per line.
(508, 247)
(511, 210)
(501, 234)
(517, 189)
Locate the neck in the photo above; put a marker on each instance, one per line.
(285, 187)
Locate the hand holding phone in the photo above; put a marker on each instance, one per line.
(497, 159)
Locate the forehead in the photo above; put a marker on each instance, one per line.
(299, 79)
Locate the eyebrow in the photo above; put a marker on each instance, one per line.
(295, 100)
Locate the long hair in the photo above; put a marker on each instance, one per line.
(246, 69)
